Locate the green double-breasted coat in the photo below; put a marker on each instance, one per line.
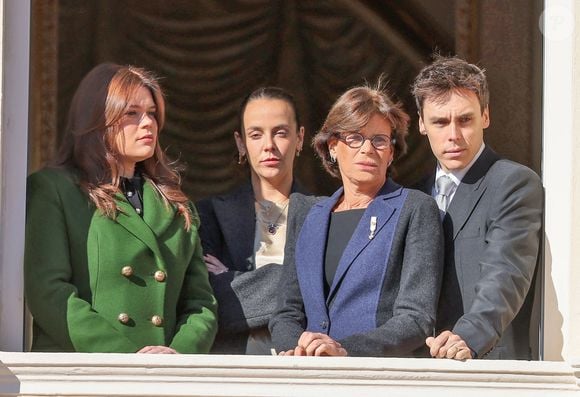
(94, 284)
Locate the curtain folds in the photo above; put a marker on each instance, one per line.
(211, 54)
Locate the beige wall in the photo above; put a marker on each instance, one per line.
(560, 171)
(574, 279)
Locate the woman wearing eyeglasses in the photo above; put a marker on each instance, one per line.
(366, 275)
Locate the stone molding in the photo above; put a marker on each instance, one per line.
(9, 384)
(80, 374)
(575, 364)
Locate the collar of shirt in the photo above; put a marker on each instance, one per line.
(456, 175)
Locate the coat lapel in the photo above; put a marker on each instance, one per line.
(242, 224)
(156, 217)
(237, 228)
(470, 190)
(156, 214)
(310, 257)
(383, 211)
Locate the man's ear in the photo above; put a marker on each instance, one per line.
(485, 117)
(422, 129)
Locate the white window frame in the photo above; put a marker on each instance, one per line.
(14, 75)
(560, 164)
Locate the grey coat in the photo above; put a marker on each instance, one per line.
(492, 234)
(246, 296)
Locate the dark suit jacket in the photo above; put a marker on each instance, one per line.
(384, 295)
(492, 233)
(246, 296)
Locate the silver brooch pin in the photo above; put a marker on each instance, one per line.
(372, 227)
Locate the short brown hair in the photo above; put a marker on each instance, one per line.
(352, 111)
(445, 75)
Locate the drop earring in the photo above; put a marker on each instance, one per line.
(241, 158)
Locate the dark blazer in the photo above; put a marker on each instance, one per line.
(73, 279)
(246, 296)
(492, 234)
(383, 299)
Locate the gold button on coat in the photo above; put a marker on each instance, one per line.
(123, 318)
(127, 271)
(156, 321)
(160, 275)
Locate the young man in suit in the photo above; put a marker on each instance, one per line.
(492, 216)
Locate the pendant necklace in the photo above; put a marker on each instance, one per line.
(272, 226)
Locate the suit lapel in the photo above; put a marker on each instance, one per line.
(459, 210)
(470, 190)
(383, 211)
(237, 217)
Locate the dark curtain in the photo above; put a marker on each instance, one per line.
(211, 53)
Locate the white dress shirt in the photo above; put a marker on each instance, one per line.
(455, 175)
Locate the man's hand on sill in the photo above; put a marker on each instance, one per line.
(449, 345)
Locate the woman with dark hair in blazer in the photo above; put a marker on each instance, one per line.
(243, 233)
(113, 261)
(366, 275)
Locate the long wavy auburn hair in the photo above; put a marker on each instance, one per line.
(89, 143)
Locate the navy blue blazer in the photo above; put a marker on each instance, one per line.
(383, 298)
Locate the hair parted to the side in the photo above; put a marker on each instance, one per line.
(352, 111)
(446, 75)
(89, 142)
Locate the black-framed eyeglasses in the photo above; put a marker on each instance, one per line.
(355, 140)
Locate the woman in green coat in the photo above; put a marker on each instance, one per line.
(113, 261)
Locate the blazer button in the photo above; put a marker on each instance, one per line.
(127, 271)
(123, 318)
(160, 276)
(157, 321)
(324, 324)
